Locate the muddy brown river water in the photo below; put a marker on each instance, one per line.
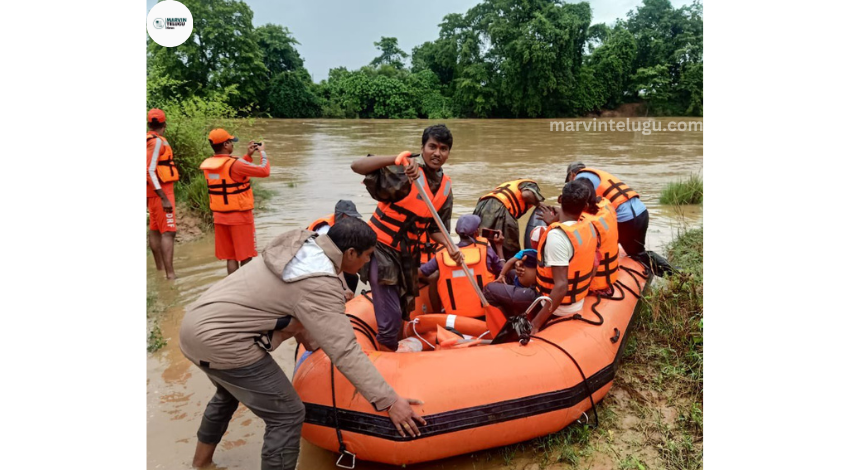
(310, 172)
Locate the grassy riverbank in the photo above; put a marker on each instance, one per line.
(652, 418)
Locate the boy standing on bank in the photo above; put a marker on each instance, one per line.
(231, 198)
(399, 220)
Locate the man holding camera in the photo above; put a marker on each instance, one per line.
(231, 198)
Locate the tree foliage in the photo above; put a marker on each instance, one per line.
(390, 53)
(500, 59)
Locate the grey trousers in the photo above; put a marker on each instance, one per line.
(265, 390)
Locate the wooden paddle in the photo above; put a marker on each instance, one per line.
(495, 317)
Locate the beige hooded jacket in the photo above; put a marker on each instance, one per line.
(221, 330)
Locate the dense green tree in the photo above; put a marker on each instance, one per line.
(612, 64)
(669, 43)
(221, 52)
(278, 47)
(291, 96)
(391, 54)
(501, 58)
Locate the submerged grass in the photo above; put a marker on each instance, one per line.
(688, 191)
(155, 339)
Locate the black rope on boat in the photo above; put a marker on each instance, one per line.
(628, 289)
(578, 316)
(343, 452)
(361, 323)
(583, 377)
(365, 333)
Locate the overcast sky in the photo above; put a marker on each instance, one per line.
(337, 33)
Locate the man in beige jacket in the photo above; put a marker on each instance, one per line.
(295, 291)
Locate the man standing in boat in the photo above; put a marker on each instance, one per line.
(293, 291)
(399, 220)
(566, 256)
(501, 209)
(632, 216)
(162, 173)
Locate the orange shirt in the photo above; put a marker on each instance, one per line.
(156, 145)
(241, 171)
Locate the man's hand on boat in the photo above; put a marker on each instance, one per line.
(404, 418)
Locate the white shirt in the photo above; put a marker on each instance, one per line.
(323, 229)
(558, 252)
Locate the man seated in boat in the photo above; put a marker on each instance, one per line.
(508, 275)
(515, 297)
(566, 256)
(294, 290)
(455, 295)
(602, 215)
(399, 219)
(344, 208)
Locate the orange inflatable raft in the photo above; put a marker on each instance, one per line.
(475, 396)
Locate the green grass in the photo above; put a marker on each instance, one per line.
(680, 192)
(155, 339)
(662, 369)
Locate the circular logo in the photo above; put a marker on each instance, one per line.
(169, 23)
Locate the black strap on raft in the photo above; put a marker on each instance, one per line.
(583, 377)
(343, 452)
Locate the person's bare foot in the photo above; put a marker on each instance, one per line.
(171, 277)
(203, 455)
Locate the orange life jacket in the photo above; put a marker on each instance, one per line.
(605, 222)
(427, 248)
(457, 295)
(226, 195)
(166, 170)
(326, 220)
(583, 238)
(401, 223)
(610, 187)
(511, 196)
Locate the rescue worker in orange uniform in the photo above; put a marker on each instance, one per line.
(231, 198)
(502, 208)
(566, 256)
(456, 296)
(343, 209)
(399, 220)
(162, 173)
(601, 214)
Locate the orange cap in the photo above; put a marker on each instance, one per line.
(156, 115)
(219, 136)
